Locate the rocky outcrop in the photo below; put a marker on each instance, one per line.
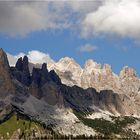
(21, 71)
(44, 84)
(41, 76)
(6, 85)
(129, 81)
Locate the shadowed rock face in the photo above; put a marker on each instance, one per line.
(39, 82)
(90, 100)
(19, 64)
(42, 76)
(54, 77)
(43, 83)
(21, 71)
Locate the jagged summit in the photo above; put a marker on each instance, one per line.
(67, 63)
(21, 71)
(91, 64)
(93, 75)
(44, 66)
(3, 58)
(128, 72)
(38, 75)
(42, 96)
(67, 59)
(100, 77)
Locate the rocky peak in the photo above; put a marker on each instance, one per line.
(66, 59)
(92, 67)
(22, 64)
(19, 64)
(22, 72)
(54, 77)
(127, 72)
(42, 76)
(44, 67)
(107, 68)
(4, 65)
(3, 60)
(67, 64)
(26, 66)
(6, 85)
(25, 63)
(36, 77)
(92, 64)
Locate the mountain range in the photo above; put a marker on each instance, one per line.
(70, 100)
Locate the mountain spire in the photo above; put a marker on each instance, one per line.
(6, 84)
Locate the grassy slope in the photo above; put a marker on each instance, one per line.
(13, 124)
(102, 126)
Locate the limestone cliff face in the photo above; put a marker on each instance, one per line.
(6, 85)
(129, 81)
(100, 77)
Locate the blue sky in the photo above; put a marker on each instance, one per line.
(65, 37)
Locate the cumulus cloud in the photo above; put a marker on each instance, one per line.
(18, 18)
(115, 17)
(38, 57)
(119, 17)
(34, 56)
(87, 48)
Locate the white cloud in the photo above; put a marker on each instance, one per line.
(12, 59)
(84, 7)
(119, 17)
(34, 56)
(18, 18)
(87, 48)
(38, 57)
(115, 17)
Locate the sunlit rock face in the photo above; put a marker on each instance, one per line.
(129, 81)
(100, 77)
